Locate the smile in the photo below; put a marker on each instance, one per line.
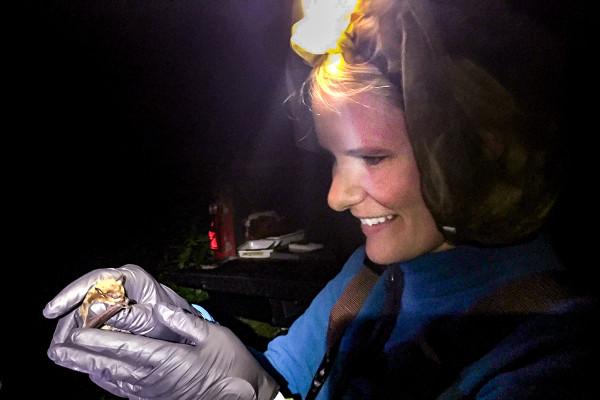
(376, 220)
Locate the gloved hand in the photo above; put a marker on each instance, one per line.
(140, 286)
(214, 365)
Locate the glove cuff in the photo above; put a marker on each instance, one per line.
(268, 389)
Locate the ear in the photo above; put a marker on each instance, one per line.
(121, 279)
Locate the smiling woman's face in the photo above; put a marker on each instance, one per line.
(375, 176)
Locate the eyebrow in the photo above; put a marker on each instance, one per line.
(365, 150)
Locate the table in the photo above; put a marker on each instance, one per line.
(275, 290)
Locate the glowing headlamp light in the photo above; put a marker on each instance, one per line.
(319, 32)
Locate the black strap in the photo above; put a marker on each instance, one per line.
(342, 314)
(350, 302)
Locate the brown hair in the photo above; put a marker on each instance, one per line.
(481, 131)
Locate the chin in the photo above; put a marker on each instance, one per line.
(383, 256)
(390, 253)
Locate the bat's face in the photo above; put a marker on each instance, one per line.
(109, 291)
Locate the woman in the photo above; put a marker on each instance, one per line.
(454, 294)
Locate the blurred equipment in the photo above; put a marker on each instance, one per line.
(261, 248)
(304, 247)
(261, 225)
(221, 231)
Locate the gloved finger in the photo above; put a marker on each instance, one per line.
(230, 388)
(109, 386)
(136, 319)
(144, 288)
(104, 365)
(65, 327)
(140, 351)
(177, 299)
(118, 388)
(187, 325)
(73, 294)
(143, 390)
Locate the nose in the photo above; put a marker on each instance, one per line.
(345, 190)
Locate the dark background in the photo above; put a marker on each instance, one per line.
(130, 117)
(126, 117)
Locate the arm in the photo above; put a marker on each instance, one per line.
(296, 355)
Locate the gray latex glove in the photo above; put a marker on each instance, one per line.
(140, 286)
(214, 365)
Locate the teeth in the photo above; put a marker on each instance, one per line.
(375, 220)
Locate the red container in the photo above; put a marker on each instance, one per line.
(221, 232)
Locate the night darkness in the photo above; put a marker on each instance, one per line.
(131, 114)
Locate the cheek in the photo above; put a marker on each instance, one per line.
(396, 187)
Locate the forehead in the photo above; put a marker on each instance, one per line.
(363, 120)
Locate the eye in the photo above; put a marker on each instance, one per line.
(373, 160)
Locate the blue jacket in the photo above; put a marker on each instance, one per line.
(484, 357)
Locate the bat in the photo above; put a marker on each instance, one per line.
(109, 291)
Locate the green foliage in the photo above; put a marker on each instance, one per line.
(262, 328)
(195, 250)
(192, 295)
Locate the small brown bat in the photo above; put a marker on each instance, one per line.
(109, 291)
